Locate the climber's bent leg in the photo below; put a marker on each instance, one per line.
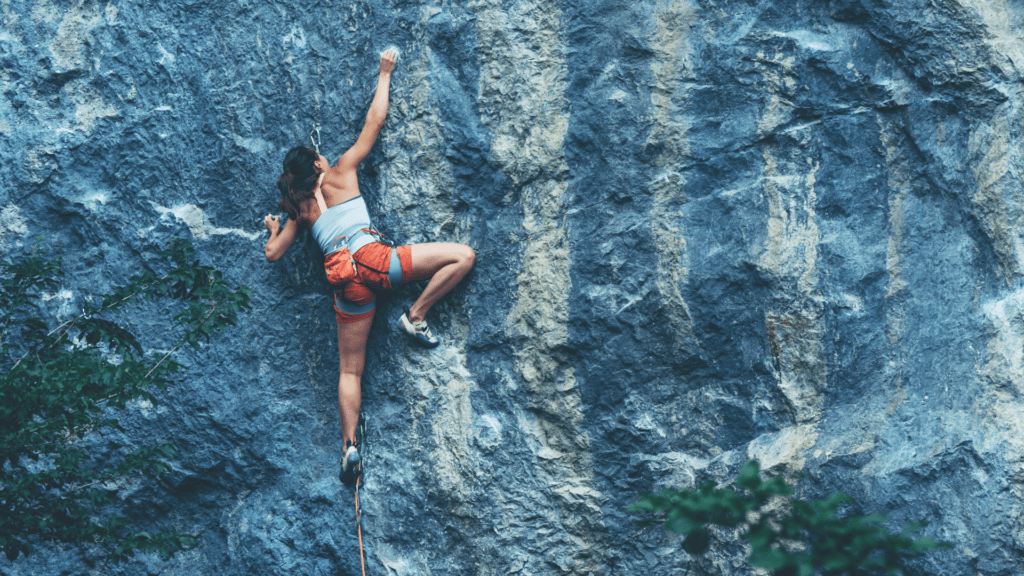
(445, 264)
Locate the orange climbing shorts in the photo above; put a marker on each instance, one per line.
(379, 267)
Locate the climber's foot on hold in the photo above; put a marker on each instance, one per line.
(351, 464)
(418, 331)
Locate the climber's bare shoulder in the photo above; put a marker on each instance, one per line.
(340, 184)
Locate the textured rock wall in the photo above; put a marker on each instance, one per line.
(707, 231)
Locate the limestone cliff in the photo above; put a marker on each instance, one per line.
(707, 230)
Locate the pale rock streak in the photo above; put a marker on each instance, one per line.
(790, 254)
(994, 146)
(12, 223)
(671, 65)
(193, 217)
(996, 199)
(1006, 346)
(1002, 22)
(899, 181)
(522, 86)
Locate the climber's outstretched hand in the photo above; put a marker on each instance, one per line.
(387, 60)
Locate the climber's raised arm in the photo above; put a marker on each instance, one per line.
(375, 117)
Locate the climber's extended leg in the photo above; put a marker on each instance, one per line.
(352, 355)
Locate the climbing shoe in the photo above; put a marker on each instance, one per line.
(418, 331)
(351, 465)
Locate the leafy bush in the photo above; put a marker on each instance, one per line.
(787, 537)
(59, 386)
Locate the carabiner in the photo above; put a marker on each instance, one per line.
(316, 143)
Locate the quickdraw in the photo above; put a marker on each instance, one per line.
(316, 143)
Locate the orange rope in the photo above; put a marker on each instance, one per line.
(359, 525)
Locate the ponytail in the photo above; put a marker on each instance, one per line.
(297, 182)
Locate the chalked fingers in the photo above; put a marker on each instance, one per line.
(388, 58)
(273, 223)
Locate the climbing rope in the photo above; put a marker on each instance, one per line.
(359, 528)
(361, 437)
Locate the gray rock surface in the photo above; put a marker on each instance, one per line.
(707, 231)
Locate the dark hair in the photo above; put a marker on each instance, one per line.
(299, 179)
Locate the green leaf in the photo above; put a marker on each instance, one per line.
(683, 524)
(749, 476)
(769, 559)
(697, 542)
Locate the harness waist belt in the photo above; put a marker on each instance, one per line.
(348, 238)
(360, 239)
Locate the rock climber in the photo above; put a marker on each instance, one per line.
(358, 260)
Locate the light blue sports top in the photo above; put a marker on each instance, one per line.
(335, 227)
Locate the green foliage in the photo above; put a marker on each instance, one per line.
(787, 537)
(60, 385)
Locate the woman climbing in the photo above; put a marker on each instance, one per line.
(358, 262)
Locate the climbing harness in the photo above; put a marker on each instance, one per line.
(360, 441)
(350, 243)
(316, 143)
(367, 236)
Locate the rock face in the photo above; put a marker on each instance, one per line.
(706, 231)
